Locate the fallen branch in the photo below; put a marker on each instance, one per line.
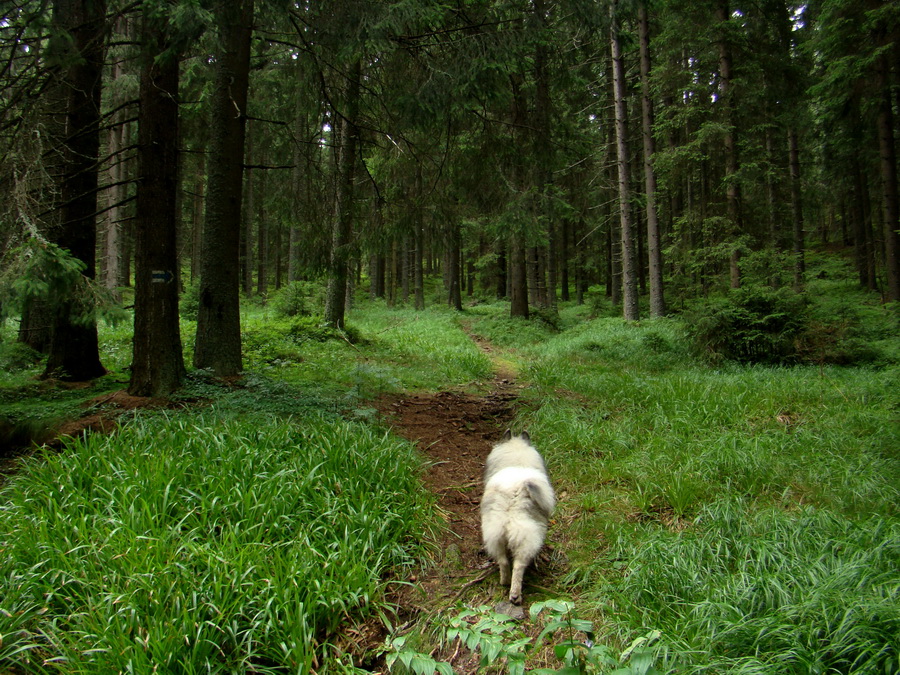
(474, 582)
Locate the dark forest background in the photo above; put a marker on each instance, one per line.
(216, 151)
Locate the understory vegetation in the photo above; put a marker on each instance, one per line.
(742, 514)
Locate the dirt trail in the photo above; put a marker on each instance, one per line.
(455, 431)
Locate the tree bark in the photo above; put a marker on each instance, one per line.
(197, 219)
(74, 352)
(419, 245)
(654, 240)
(114, 244)
(518, 279)
(336, 291)
(729, 141)
(453, 263)
(890, 201)
(629, 267)
(158, 364)
(218, 339)
(564, 233)
(262, 236)
(247, 213)
(796, 210)
(861, 229)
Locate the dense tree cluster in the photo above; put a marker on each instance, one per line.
(527, 150)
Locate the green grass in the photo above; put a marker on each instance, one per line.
(767, 591)
(397, 350)
(195, 543)
(748, 513)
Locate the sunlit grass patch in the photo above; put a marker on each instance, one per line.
(771, 433)
(201, 543)
(421, 349)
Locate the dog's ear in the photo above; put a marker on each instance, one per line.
(507, 435)
(525, 437)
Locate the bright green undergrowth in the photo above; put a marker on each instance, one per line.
(203, 543)
(382, 350)
(420, 349)
(748, 513)
(655, 420)
(748, 590)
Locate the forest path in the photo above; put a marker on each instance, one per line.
(455, 432)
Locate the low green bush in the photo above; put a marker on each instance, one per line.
(17, 356)
(754, 324)
(298, 298)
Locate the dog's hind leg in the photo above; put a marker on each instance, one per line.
(503, 561)
(515, 586)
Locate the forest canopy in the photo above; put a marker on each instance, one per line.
(208, 152)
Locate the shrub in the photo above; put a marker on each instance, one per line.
(189, 302)
(754, 324)
(312, 328)
(16, 356)
(600, 304)
(298, 298)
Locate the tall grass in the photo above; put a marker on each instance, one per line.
(764, 591)
(193, 544)
(420, 349)
(650, 415)
(749, 513)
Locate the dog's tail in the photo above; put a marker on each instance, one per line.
(541, 499)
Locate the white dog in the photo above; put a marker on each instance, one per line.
(517, 503)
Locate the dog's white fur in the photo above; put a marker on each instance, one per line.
(518, 501)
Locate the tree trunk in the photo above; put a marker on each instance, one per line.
(518, 260)
(654, 243)
(35, 324)
(419, 244)
(772, 193)
(454, 271)
(405, 268)
(629, 267)
(262, 236)
(297, 182)
(336, 292)
(74, 352)
(729, 142)
(197, 219)
(518, 279)
(796, 210)
(890, 201)
(543, 153)
(860, 226)
(564, 233)
(500, 280)
(114, 243)
(218, 341)
(247, 215)
(158, 364)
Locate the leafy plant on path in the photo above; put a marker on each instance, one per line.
(502, 643)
